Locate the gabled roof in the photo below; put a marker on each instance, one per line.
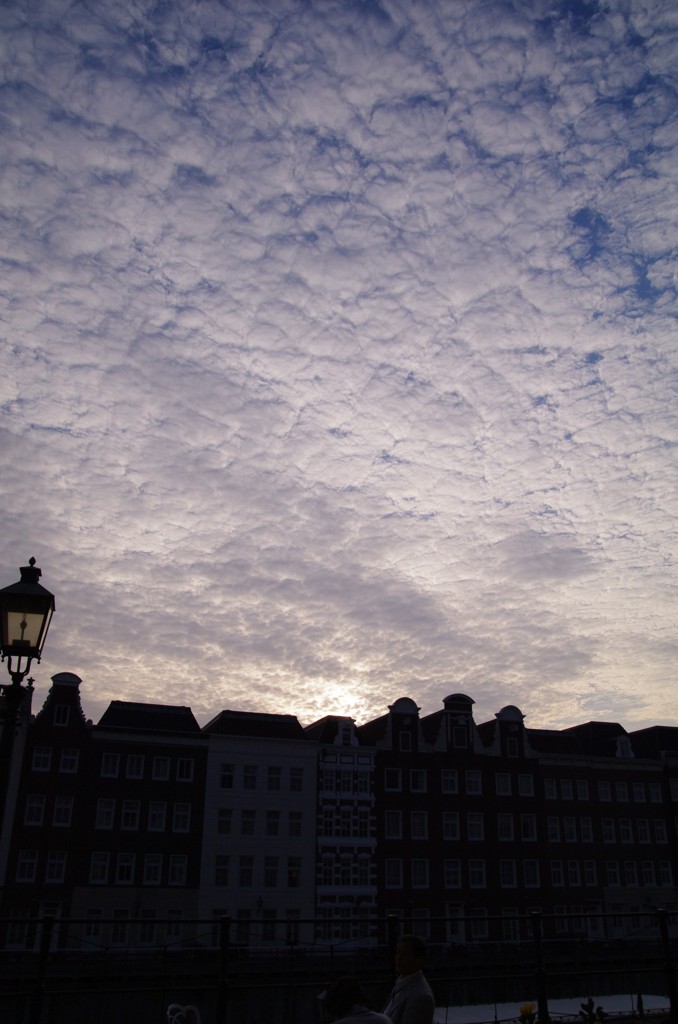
(551, 741)
(373, 731)
(326, 729)
(254, 723)
(157, 718)
(655, 741)
(598, 738)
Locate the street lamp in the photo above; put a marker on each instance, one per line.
(26, 610)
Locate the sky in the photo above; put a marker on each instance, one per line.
(339, 350)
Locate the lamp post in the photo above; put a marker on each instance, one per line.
(26, 610)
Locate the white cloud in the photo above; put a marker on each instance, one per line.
(340, 353)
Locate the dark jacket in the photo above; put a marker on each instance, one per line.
(411, 1001)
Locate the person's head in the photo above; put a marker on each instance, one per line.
(410, 954)
(343, 996)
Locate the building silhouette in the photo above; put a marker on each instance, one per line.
(130, 830)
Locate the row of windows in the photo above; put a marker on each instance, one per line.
(505, 784)
(134, 764)
(346, 781)
(271, 872)
(526, 873)
(130, 816)
(524, 826)
(251, 778)
(105, 869)
(345, 821)
(249, 822)
(347, 870)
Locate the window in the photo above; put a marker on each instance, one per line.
(42, 759)
(590, 873)
(135, 766)
(152, 868)
(452, 874)
(120, 928)
(35, 809)
(93, 923)
(582, 789)
(129, 821)
(105, 813)
(604, 792)
(625, 830)
(507, 874)
(566, 791)
(294, 823)
(643, 827)
(459, 736)
(531, 874)
(274, 778)
(419, 824)
(177, 869)
(586, 830)
(553, 829)
(185, 767)
(450, 825)
(55, 867)
(393, 824)
(475, 826)
(473, 783)
(638, 792)
(62, 714)
(69, 760)
(270, 872)
(526, 785)
(63, 811)
(221, 865)
(157, 812)
(98, 869)
(161, 769)
(245, 871)
(420, 873)
(502, 783)
(612, 871)
(392, 779)
(655, 792)
(226, 775)
(182, 818)
(249, 776)
(607, 825)
(528, 827)
(660, 831)
(449, 781)
(248, 822)
(476, 874)
(665, 872)
(27, 863)
(405, 742)
(110, 766)
(573, 873)
(621, 792)
(124, 874)
(569, 830)
(557, 877)
(630, 872)
(224, 819)
(363, 822)
(505, 827)
(512, 748)
(293, 872)
(394, 873)
(272, 823)
(647, 872)
(418, 780)
(550, 789)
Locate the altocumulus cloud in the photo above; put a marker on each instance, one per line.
(339, 351)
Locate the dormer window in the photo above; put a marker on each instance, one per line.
(405, 742)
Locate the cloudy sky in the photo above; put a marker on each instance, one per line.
(339, 351)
